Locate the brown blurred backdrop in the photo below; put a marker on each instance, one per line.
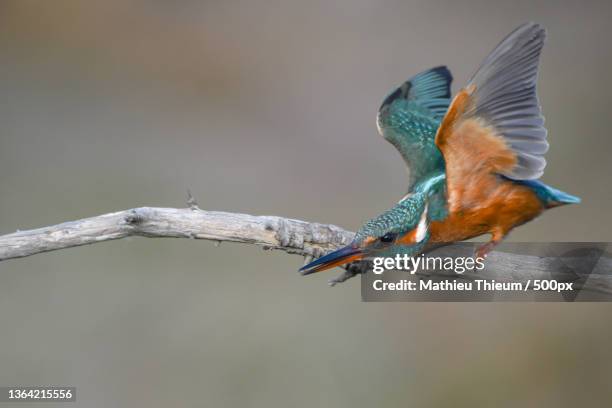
(267, 107)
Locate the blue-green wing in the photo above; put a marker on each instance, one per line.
(409, 118)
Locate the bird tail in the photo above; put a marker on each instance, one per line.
(550, 196)
(561, 198)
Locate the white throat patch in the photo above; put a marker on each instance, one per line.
(421, 230)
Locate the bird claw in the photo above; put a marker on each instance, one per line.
(483, 250)
(344, 276)
(352, 269)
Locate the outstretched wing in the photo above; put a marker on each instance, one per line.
(495, 125)
(409, 117)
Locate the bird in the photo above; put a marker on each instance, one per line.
(475, 160)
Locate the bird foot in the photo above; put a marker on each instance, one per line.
(482, 251)
(350, 270)
(344, 276)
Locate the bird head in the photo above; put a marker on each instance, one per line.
(405, 225)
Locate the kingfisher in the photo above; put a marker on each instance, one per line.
(474, 160)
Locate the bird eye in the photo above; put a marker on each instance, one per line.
(388, 237)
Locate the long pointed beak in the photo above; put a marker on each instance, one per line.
(336, 258)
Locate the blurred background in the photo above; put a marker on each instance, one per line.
(268, 107)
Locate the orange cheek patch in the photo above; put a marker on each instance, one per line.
(369, 240)
(408, 238)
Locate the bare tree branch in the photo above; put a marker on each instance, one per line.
(270, 232)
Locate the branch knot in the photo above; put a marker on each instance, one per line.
(133, 218)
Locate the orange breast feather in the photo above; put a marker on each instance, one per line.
(479, 200)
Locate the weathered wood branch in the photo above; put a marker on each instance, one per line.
(270, 232)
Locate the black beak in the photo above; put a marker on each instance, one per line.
(336, 258)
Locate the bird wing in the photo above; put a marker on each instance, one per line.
(409, 117)
(495, 125)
